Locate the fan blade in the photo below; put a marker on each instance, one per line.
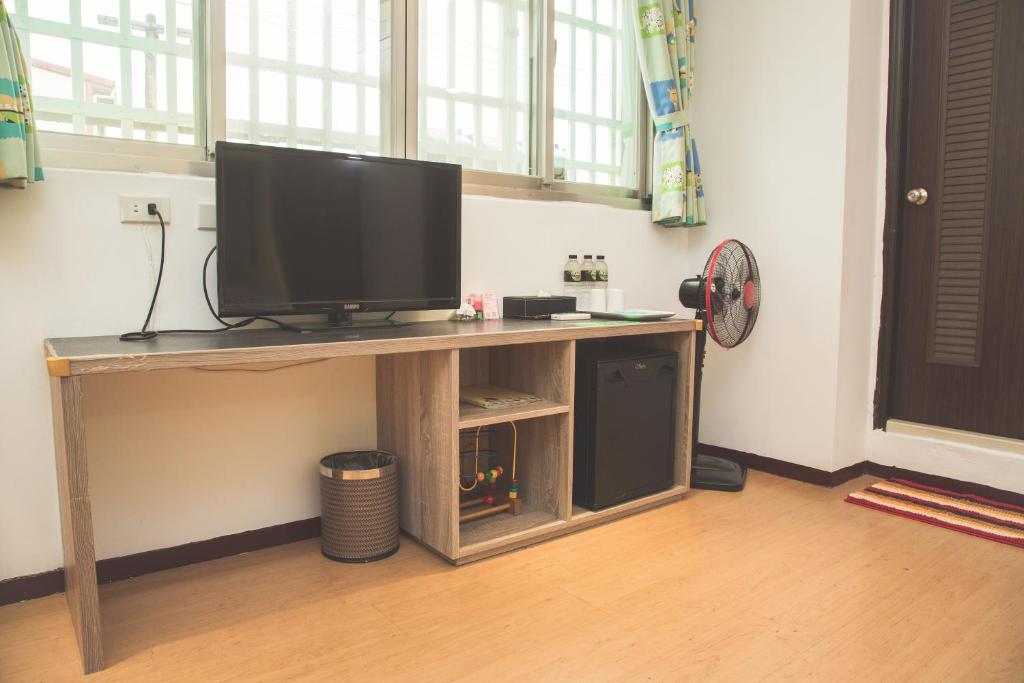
(718, 303)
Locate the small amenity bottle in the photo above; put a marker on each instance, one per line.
(572, 275)
(601, 272)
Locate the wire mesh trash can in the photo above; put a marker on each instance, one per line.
(359, 506)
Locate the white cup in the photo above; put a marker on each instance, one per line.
(597, 300)
(616, 300)
(583, 299)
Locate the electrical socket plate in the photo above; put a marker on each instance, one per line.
(133, 209)
(207, 215)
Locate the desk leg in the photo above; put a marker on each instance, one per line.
(80, 587)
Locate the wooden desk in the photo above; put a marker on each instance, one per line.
(419, 371)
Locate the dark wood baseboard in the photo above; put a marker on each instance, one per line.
(33, 586)
(118, 568)
(818, 477)
(804, 473)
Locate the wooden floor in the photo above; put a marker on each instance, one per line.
(783, 581)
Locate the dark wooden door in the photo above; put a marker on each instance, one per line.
(958, 359)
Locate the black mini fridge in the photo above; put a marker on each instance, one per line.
(624, 438)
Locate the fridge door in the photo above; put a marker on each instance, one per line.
(634, 428)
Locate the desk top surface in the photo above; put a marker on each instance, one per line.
(94, 355)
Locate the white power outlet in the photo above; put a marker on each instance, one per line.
(207, 216)
(135, 209)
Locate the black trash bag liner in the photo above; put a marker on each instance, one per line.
(358, 460)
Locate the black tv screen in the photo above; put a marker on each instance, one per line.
(304, 231)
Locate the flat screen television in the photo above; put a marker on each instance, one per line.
(302, 232)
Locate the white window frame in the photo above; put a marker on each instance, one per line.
(399, 138)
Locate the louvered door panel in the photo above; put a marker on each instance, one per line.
(966, 131)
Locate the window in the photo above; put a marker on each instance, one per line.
(474, 84)
(113, 69)
(595, 97)
(538, 97)
(306, 73)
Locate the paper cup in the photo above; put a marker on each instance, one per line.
(597, 300)
(583, 300)
(616, 300)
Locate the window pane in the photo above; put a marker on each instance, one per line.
(309, 25)
(112, 68)
(237, 92)
(317, 65)
(595, 94)
(343, 108)
(100, 14)
(273, 102)
(53, 11)
(309, 103)
(51, 68)
(473, 92)
(273, 30)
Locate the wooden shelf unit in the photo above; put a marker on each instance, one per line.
(430, 500)
(419, 371)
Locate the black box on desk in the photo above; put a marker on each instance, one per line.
(537, 307)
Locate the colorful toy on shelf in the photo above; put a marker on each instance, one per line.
(496, 501)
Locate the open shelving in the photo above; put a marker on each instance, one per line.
(543, 478)
(420, 414)
(544, 442)
(542, 370)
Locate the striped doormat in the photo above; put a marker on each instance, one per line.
(964, 512)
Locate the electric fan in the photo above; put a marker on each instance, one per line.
(726, 297)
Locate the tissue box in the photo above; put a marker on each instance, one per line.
(537, 307)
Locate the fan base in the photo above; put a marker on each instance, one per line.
(717, 474)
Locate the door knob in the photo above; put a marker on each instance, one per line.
(918, 196)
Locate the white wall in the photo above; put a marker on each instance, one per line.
(771, 93)
(793, 97)
(864, 209)
(791, 120)
(187, 455)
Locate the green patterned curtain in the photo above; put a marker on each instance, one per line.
(665, 31)
(19, 147)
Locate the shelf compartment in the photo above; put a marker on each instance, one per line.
(581, 519)
(475, 416)
(542, 469)
(502, 526)
(543, 370)
(582, 514)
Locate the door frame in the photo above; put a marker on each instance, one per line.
(895, 179)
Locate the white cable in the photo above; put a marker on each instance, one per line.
(152, 275)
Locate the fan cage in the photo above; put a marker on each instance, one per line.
(732, 293)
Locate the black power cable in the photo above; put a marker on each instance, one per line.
(222, 321)
(144, 334)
